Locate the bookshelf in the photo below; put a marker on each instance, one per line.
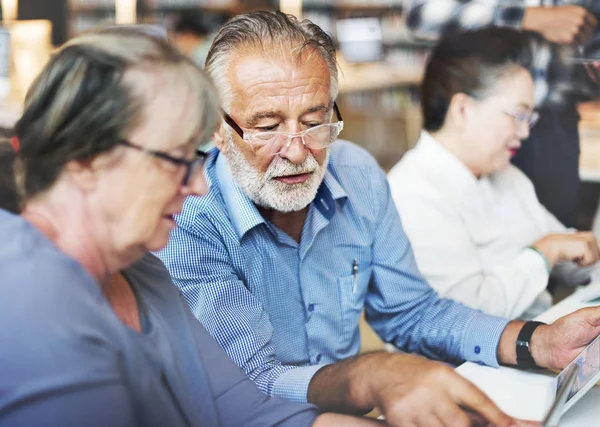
(380, 97)
(87, 14)
(379, 100)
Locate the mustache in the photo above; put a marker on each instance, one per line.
(283, 167)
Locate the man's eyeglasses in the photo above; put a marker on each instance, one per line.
(524, 117)
(192, 166)
(317, 137)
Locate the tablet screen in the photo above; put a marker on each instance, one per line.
(556, 410)
(589, 366)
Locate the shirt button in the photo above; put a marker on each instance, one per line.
(311, 307)
(477, 349)
(318, 358)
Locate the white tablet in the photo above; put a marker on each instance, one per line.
(564, 390)
(588, 375)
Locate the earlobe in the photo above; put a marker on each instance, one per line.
(82, 174)
(219, 138)
(458, 108)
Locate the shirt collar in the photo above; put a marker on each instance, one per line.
(444, 164)
(330, 191)
(244, 213)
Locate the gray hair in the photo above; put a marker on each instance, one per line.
(85, 101)
(269, 31)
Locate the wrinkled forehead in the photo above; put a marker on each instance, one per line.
(257, 77)
(170, 105)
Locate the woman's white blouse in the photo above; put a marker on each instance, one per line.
(470, 235)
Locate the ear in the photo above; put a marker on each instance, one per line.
(85, 174)
(219, 137)
(82, 174)
(459, 109)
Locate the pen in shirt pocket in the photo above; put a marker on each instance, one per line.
(354, 274)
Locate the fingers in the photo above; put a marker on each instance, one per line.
(524, 423)
(469, 396)
(451, 415)
(430, 420)
(590, 252)
(592, 318)
(585, 24)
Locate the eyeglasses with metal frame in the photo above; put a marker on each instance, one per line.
(317, 137)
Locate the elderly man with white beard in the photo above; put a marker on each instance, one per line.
(298, 234)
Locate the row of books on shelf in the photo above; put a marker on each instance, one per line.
(191, 3)
(391, 27)
(391, 102)
(84, 4)
(82, 23)
(352, 3)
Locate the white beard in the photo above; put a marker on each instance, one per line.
(267, 192)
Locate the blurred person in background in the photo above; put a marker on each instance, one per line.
(192, 32)
(550, 154)
(299, 234)
(479, 234)
(9, 200)
(94, 332)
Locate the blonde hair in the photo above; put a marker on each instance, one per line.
(82, 104)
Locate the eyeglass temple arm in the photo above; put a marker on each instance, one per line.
(337, 112)
(233, 125)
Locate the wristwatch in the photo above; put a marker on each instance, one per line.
(524, 358)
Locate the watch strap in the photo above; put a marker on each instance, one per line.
(524, 357)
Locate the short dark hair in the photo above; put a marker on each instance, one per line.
(192, 22)
(9, 199)
(469, 62)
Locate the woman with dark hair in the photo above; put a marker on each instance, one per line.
(479, 233)
(93, 332)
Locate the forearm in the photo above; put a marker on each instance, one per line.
(346, 387)
(337, 420)
(507, 347)
(333, 387)
(507, 289)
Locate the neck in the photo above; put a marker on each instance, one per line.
(290, 222)
(454, 143)
(67, 223)
(122, 300)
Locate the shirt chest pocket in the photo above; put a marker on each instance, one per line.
(352, 291)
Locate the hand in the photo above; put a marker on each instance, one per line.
(411, 390)
(338, 420)
(581, 247)
(564, 25)
(408, 390)
(555, 346)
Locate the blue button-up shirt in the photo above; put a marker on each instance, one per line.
(281, 309)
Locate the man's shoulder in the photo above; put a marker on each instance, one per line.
(207, 209)
(348, 154)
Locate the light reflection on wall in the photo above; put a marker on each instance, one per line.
(30, 45)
